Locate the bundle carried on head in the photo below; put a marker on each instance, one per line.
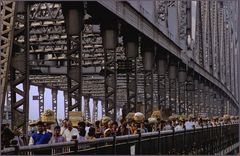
(232, 117)
(76, 117)
(152, 120)
(182, 117)
(226, 117)
(130, 116)
(105, 119)
(139, 117)
(190, 117)
(172, 118)
(156, 114)
(215, 118)
(48, 117)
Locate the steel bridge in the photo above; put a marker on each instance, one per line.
(131, 55)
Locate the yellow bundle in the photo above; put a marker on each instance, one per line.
(105, 119)
(191, 116)
(75, 117)
(152, 120)
(139, 117)
(156, 114)
(130, 116)
(226, 117)
(48, 117)
(182, 117)
(172, 118)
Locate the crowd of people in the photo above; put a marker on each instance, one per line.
(52, 133)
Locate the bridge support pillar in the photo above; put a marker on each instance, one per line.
(148, 63)
(19, 69)
(74, 24)
(131, 46)
(206, 99)
(181, 88)
(95, 110)
(54, 101)
(172, 85)
(110, 42)
(196, 98)
(189, 90)
(41, 91)
(87, 108)
(161, 83)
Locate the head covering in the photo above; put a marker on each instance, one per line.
(130, 116)
(139, 117)
(157, 114)
(152, 120)
(105, 119)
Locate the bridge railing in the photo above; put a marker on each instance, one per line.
(200, 140)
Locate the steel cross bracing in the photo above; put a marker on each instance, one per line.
(54, 101)
(161, 84)
(148, 92)
(7, 12)
(132, 86)
(41, 90)
(19, 72)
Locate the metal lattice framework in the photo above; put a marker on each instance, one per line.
(79, 65)
(7, 20)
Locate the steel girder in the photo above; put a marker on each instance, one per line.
(95, 110)
(41, 90)
(74, 55)
(7, 13)
(87, 108)
(54, 101)
(19, 73)
(132, 87)
(65, 94)
(110, 74)
(148, 92)
(161, 90)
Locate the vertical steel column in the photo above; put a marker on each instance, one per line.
(87, 108)
(6, 31)
(181, 88)
(196, 98)
(148, 63)
(210, 113)
(131, 46)
(110, 36)
(41, 90)
(172, 85)
(201, 97)
(65, 93)
(189, 90)
(54, 101)
(95, 110)
(19, 73)
(74, 25)
(161, 83)
(206, 99)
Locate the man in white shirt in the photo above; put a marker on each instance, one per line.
(70, 132)
(64, 126)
